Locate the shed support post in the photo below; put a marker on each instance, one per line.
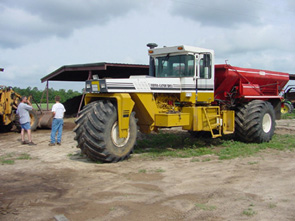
(83, 95)
(47, 95)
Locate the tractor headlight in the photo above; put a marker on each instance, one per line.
(94, 87)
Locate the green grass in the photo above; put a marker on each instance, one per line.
(24, 156)
(272, 205)
(249, 212)
(171, 145)
(159, 170)
(183, 146)
(205, 207)
(43, 106)
(10, 158)
(288, 116)
(4, 161)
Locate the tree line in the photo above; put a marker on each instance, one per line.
(37, 94)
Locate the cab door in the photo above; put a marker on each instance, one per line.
(188, 80)
(205, 78)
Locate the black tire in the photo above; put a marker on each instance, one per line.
(96, 133)
(17, 123)
(34, 120)
(5, 128)
(255, 122)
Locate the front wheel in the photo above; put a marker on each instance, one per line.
(255, 122)
(97, 133)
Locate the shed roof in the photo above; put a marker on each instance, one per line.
(80, 72)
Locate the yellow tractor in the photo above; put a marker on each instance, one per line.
(9, 101)
(185, 89)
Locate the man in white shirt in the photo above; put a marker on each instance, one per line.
(58, 110)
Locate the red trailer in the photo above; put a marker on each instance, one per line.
(248, 84)
(254, 95)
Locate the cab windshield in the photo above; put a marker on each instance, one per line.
(175, 66)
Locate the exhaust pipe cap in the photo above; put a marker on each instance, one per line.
(152, 45)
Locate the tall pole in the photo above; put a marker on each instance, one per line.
(47, 95)
(83, 95)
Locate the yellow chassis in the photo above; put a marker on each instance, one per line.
(8, 102)
(151, 117)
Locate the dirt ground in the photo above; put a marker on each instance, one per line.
(59, 184)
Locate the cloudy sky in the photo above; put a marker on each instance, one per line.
(37, 37)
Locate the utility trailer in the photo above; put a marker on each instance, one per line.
(183, 89)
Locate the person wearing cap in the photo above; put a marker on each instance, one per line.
(24, 119)
(58, 111)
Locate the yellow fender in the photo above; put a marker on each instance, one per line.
(124, 107)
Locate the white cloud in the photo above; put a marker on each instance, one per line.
(26, 21)
(226, 13)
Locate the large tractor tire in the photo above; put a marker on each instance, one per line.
(97, 133)
(255, 122)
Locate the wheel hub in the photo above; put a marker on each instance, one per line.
(118, 141)
(266, 123)
(284, 109)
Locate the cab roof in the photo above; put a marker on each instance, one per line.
(178, 49)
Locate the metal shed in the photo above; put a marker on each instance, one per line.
(82, 72)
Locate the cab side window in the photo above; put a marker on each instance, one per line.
(205, 66)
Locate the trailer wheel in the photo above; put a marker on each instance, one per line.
(97, 133)
(287, 108)
(255, 122)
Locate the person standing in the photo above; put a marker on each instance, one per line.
(24, 119)
(58, 110)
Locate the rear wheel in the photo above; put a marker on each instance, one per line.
(97, 133)
(255, 122)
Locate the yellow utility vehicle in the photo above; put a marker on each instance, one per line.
(183, 89)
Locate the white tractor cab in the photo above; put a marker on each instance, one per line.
(189, 68)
